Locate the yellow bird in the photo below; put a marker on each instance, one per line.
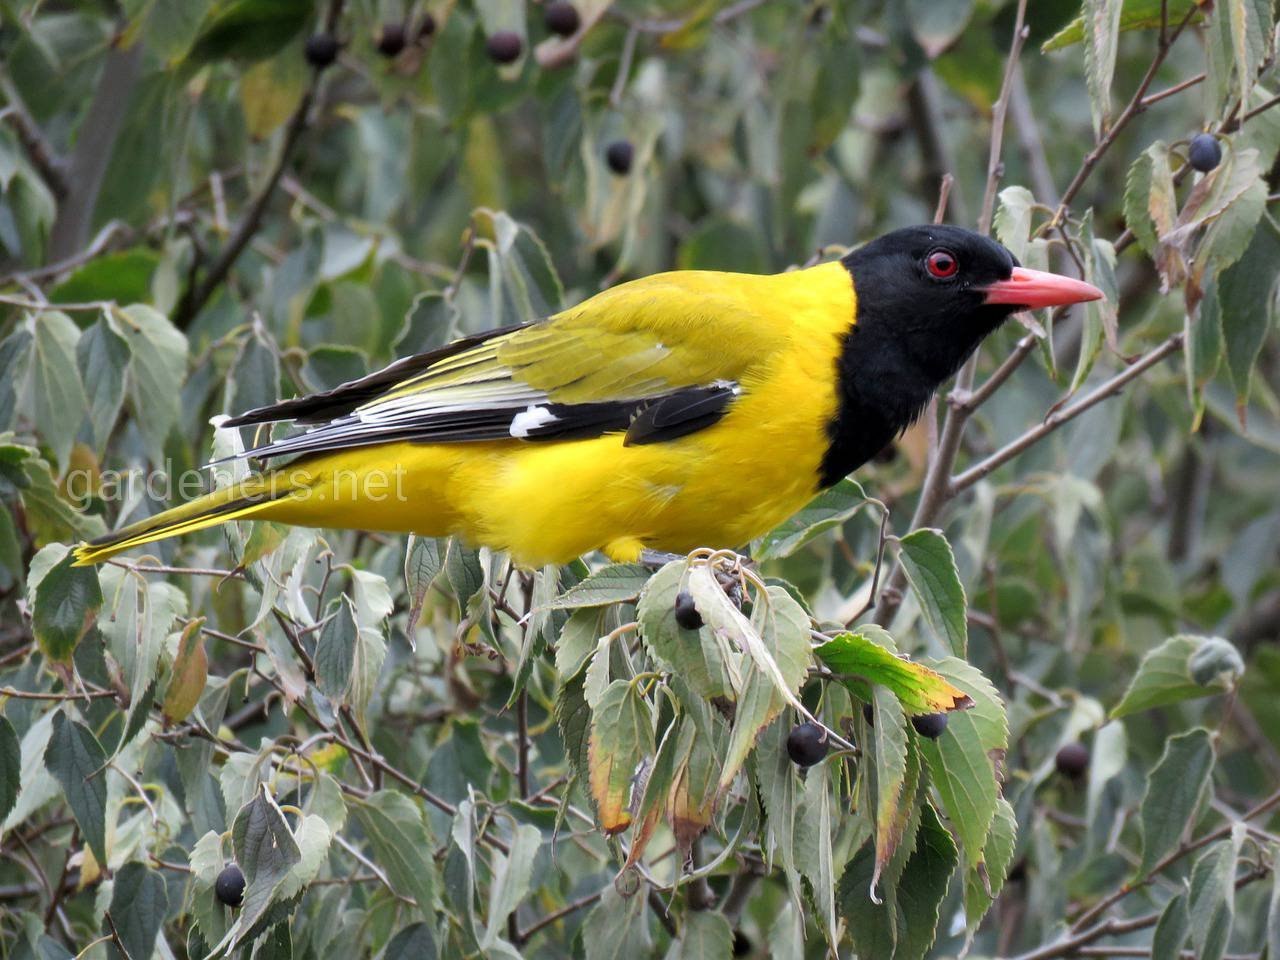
(685, 409)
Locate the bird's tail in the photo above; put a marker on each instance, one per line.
(239, 501)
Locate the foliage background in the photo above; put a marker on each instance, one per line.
(194, 222)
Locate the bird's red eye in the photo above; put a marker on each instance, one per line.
(942, 264)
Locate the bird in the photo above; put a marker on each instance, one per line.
(681, 410)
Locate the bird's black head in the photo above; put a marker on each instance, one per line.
(926, 297)
(924, 289)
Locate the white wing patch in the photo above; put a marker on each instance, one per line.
(530, 419)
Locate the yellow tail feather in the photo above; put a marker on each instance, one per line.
(237, 502)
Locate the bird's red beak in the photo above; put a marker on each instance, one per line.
(1031, 289)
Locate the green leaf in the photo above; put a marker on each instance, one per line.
(159, 368)
(49, 517)
(960, 761)
(897, 772)
(414, 942)
(617, 928)
(905, 925)
(75, 758)
(1176, 790)
(67, 601)
(1101, 39)
(1273, 911)
(1249, 25)
(936, 24)
(423, 561)
(1247, 297)
(831, 508)
(265, 851)
(860, 657)
(1012, 222)
(782, 627)
(336, 652)
(313, 837)
(60, 403)
(512, 878)
(102, 356)
(578, 639)
(616, 583)
(701, 657)
(139, 905)
(621, 737)
(402, 845)
(1211, 904)
(248, 30)
(1172, 928)
(1135, 15)
(705, 935)
(984, 880)
(931, 570)
(10, 767)
(1165, 675)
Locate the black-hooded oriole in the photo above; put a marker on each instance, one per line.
(680, 410)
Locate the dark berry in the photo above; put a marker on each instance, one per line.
(687, 614)
(322, 49)
(807, 744)
(562, 18)
(229, 887)
(504, 46)
(1072, 760)
(1205, 152)
(930, 725)
(869, 714)
(427, 25)
(741, 944)
(619, 155)
(391, 39)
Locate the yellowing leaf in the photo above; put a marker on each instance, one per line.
(621, 736)
(859, 660)
(190, 671)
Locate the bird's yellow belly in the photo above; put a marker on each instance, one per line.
(551, 502)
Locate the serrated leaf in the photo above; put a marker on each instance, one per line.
(859, 658)
(616, 583)
(829, 509)
(985, 880)
(156, 375)
(139, 905)
(621, 736)
(423, 561)
(60, 403)
(102, 356)
(265, 851)
(336, 652)
(1247, 298)
(402, 845)
(67, 601)
(1176, 789)
(931, 570)
(75, 758)
(705, 660)
(206, 858)
(892, 769)
(905, 925)
(1165, 674)
(963, 760)
(313, 837)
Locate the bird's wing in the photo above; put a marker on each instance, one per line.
(657, 358)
